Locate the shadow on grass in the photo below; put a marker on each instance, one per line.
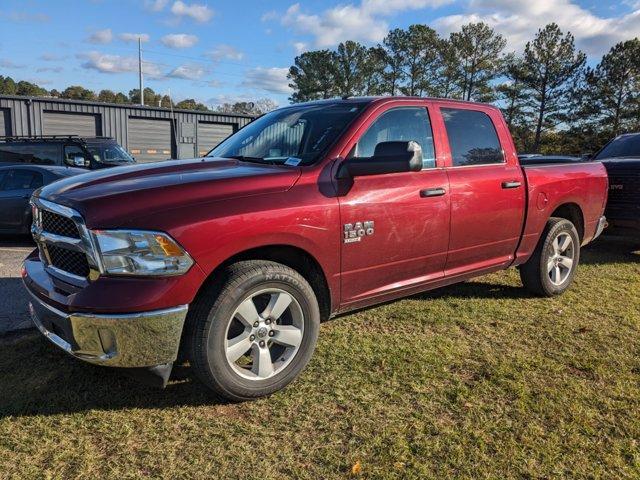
(14, 301)
(483, 290)
(37, 379)
(611, 249)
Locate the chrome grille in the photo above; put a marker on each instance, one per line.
(64, 242)
(59, 225)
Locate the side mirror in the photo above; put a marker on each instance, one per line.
(586, 156)
(388, 157)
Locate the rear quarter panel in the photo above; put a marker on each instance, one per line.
(551, 186)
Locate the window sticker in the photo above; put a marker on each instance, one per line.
(292, 161)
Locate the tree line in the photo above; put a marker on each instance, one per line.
(552, 100)
(8, 86)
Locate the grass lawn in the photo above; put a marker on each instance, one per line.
(478, 380)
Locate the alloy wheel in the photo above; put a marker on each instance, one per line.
(560, 262)
(264, 334)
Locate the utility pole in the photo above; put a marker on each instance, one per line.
(140, 71)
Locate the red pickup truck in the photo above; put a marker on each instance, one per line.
(232, 261)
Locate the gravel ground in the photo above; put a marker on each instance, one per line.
(14, 313)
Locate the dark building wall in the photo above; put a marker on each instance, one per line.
(27, 116)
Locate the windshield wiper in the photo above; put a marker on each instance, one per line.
(244, 158)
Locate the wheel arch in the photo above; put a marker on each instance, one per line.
(293, 257)
(571, 211)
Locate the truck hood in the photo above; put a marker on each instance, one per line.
(108, 198)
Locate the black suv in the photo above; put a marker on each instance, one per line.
(74, 151)
(621, 157)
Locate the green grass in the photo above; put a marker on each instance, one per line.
(478, 380)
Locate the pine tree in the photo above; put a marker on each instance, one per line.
(552, 67)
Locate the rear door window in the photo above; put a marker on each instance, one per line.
(472, 137)
(38, 153)
(23, 180)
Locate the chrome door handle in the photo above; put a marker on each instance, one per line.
(511, 184)
(432, 192)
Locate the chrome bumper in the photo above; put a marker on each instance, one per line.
(142, 339)
(602, 224)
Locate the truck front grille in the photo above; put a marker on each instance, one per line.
(69, 260)
(64, 242)
(624, 188)
(59, 225)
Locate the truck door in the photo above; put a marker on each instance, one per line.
(487, 189)
(396, 225)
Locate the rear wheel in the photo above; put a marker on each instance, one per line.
(551, 268)
(254, 332)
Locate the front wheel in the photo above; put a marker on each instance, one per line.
(552, 267)
(254, 331)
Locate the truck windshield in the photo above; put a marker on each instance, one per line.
(623, 146)
(109, 153)
(296, 135)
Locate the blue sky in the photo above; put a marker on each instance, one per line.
(218, 51)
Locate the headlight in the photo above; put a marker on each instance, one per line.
(137, 252)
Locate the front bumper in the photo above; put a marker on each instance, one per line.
(142, 339)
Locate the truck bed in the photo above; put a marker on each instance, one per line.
(581, 184)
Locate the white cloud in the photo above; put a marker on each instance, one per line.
(188, 72)
(155, 5)
(364, 21)
(199, 12)
(222, 51)
(519, 20)
(133, 37)
(10, 64)
(39, 81)
(52, 57)
(106, 63)
(268, 16)
(234, 98)
(272, 79)
(300, 47)
(101, 36)
(25, 16)
(179, 40)
(49, 69)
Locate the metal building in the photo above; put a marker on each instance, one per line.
(148, 133)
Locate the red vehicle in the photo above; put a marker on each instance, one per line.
(232, 261)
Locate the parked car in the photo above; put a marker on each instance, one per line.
(17, 183)
(311, 210)
(82, 152)
(621, 157)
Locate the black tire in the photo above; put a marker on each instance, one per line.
(212, 312)
(535, 274)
